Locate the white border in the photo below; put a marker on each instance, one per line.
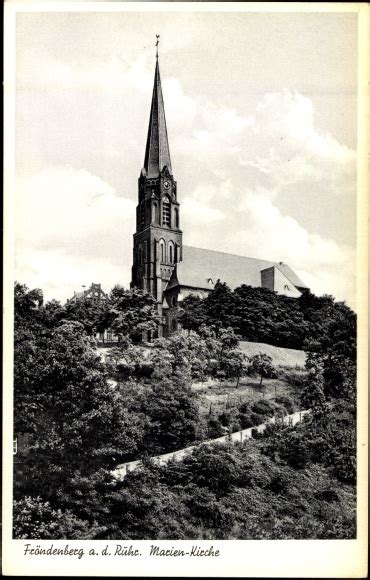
(289, 558)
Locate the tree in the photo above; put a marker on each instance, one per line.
(80, 427)
(174, 416)
(233, 365)
(219, 306)
(27, 309)
(313, 396)
(335, 345)
(186, 352)
(86, 311)
(215, 467)
(162, 361)
(258, 314)
(261, 364)
(52, 313)
(63, 401)
(37, 520)
(192, 313)
(130, 313)
(26, 302)
(224, 359)
(127, 360)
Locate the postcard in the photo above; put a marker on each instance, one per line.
(185, 289)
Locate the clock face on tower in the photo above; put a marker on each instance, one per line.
(166, 185)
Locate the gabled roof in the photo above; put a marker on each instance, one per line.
(157, 152)
(94, 291)
(202, 268)
(290, 274)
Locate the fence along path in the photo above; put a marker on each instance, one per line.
(238, 436)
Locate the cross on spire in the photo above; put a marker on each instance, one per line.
(156, 45)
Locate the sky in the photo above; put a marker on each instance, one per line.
(261, 117)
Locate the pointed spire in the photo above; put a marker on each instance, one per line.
(157, 152)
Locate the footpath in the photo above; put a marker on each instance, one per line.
(238, 436)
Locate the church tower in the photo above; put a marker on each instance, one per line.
(158, 238)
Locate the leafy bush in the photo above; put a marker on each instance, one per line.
(214, 467)
(214, 427)
(37, 520)
(264, 407)
(231, 419)
(286, 402)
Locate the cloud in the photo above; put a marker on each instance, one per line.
(233, 167)
(254, 226)
(71, 229)
(110, 74)
(59, 273)
(291, 149)
(197, 214)
(253, 160)
(180, 108)
(275, 147)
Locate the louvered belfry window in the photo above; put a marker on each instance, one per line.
(166, 209)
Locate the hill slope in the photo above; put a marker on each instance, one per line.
(280, 356)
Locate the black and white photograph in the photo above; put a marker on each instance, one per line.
(184, 300)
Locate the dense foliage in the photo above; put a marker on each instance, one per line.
(126, 312)
(81, 417)
(73, 417)
(260, 315)
(219, 492)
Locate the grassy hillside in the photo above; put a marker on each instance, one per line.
(280, 356)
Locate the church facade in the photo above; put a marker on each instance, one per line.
(162, 265)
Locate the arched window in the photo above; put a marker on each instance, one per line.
(177, 221)
(166, 212)
(142, 215)
(162, 250)
(144, 251)
(171, 251)
(139, 255)
(155, 213)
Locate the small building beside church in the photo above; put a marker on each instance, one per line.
(162, 265)
(94, 294)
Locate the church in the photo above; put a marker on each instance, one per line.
(162, 265)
